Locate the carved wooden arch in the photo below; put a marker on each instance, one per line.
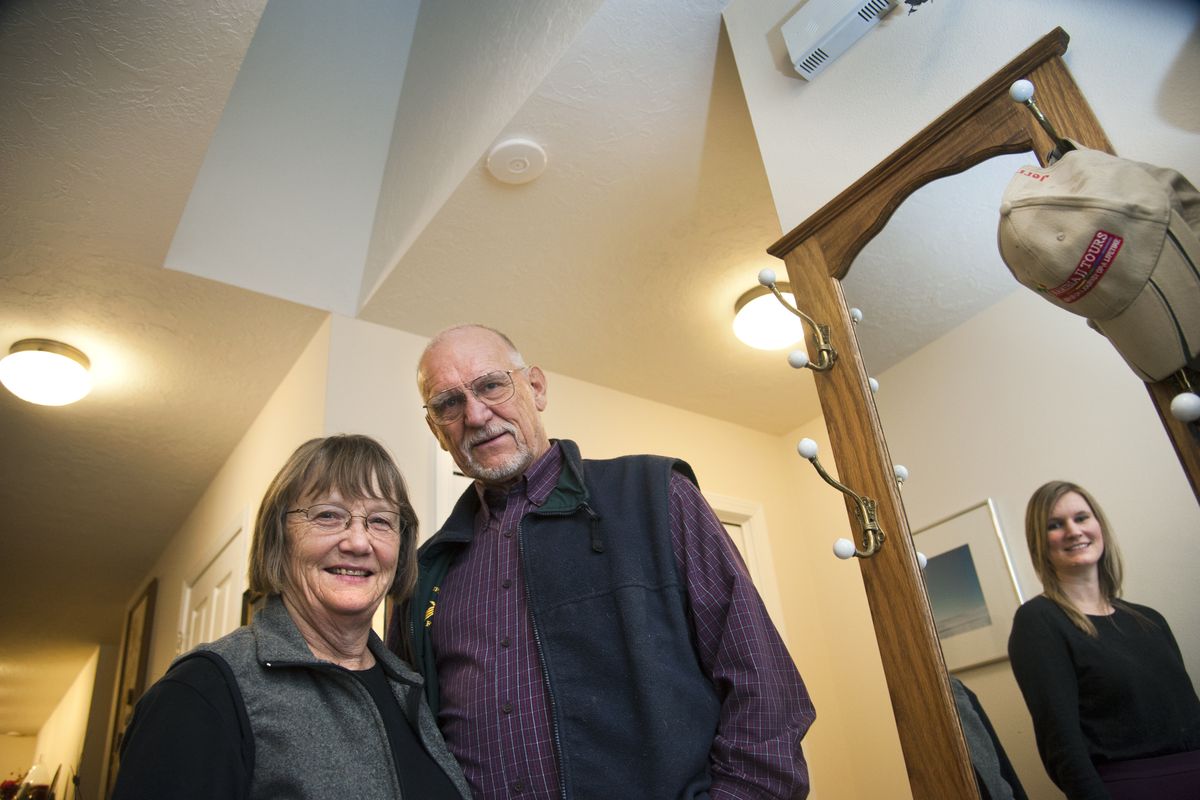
(984, 124)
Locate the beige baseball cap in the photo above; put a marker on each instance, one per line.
(1117, 242)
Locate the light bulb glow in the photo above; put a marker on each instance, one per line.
(764, 324)
(46, 373)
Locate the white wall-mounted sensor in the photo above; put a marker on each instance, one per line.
(824, 29)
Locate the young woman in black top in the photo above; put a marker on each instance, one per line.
(1115, 714)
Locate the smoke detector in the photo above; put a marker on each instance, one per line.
(516, 161)
(824, 29)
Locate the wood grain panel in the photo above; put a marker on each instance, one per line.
(935, 754)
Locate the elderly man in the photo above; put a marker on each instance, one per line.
(586, 628)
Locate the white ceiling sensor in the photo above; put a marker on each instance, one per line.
(824, 29)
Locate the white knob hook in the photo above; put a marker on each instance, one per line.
(873, 536)
(874, 384)
(798, 359)
(1185, 407)
(843, 549)
(807, 448)
(922, 561)
(825, 353)
(1021, 91)
(901, 472)
(856, 315)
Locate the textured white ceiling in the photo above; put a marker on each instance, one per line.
(651, 219)
(107, 110)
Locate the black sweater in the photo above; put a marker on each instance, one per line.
(1120, 696)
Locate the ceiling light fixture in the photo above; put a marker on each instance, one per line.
(46, 372)
(761, 322)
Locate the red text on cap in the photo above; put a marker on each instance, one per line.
(1096, 260)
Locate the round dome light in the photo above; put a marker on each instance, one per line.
(761, 322)
(46, 372)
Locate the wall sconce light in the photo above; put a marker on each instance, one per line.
(761, 322)
(46, 372)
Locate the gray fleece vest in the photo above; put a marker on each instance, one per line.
(316, 731)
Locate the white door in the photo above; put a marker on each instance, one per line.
(747, 527)
(734, 529)
(212, 601)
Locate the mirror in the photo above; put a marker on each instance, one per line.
(991, 392)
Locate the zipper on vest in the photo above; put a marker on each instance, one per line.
(555, 734)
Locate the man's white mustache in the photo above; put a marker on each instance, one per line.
(491, 432)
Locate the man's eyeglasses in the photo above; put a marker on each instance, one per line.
(329, 518)
(492, 389)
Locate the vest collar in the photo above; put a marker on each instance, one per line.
(278, 642)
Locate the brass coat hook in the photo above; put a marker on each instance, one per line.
(826, 355)
(1022, 92)
(872, 536)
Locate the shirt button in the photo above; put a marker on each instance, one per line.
(508, 534)
(506, 583)
(518, 786)
(504, 642)
(506, 708)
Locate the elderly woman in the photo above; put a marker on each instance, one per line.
(1115, 715)
(305, 702)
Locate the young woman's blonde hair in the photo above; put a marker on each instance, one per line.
(1037, 536)
(359, 468)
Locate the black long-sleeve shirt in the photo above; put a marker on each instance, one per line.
(1122, 695)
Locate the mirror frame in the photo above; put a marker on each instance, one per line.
(984, 124)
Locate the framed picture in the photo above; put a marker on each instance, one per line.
(252, 603)
(971, 584)
(139, 624)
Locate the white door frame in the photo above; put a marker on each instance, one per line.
(753, 522)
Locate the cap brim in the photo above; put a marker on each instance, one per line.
(1159, 332)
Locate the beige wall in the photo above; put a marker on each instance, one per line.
(372, 390)
(99, 724)
(293, 414)
(72, 733)
(16, 754)
(60, 741)
(1023, 394)
(353, 377)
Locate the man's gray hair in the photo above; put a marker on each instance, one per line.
(518, 359)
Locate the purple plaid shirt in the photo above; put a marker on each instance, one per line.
(494, 705)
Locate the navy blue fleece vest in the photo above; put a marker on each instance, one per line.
(634, 713)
